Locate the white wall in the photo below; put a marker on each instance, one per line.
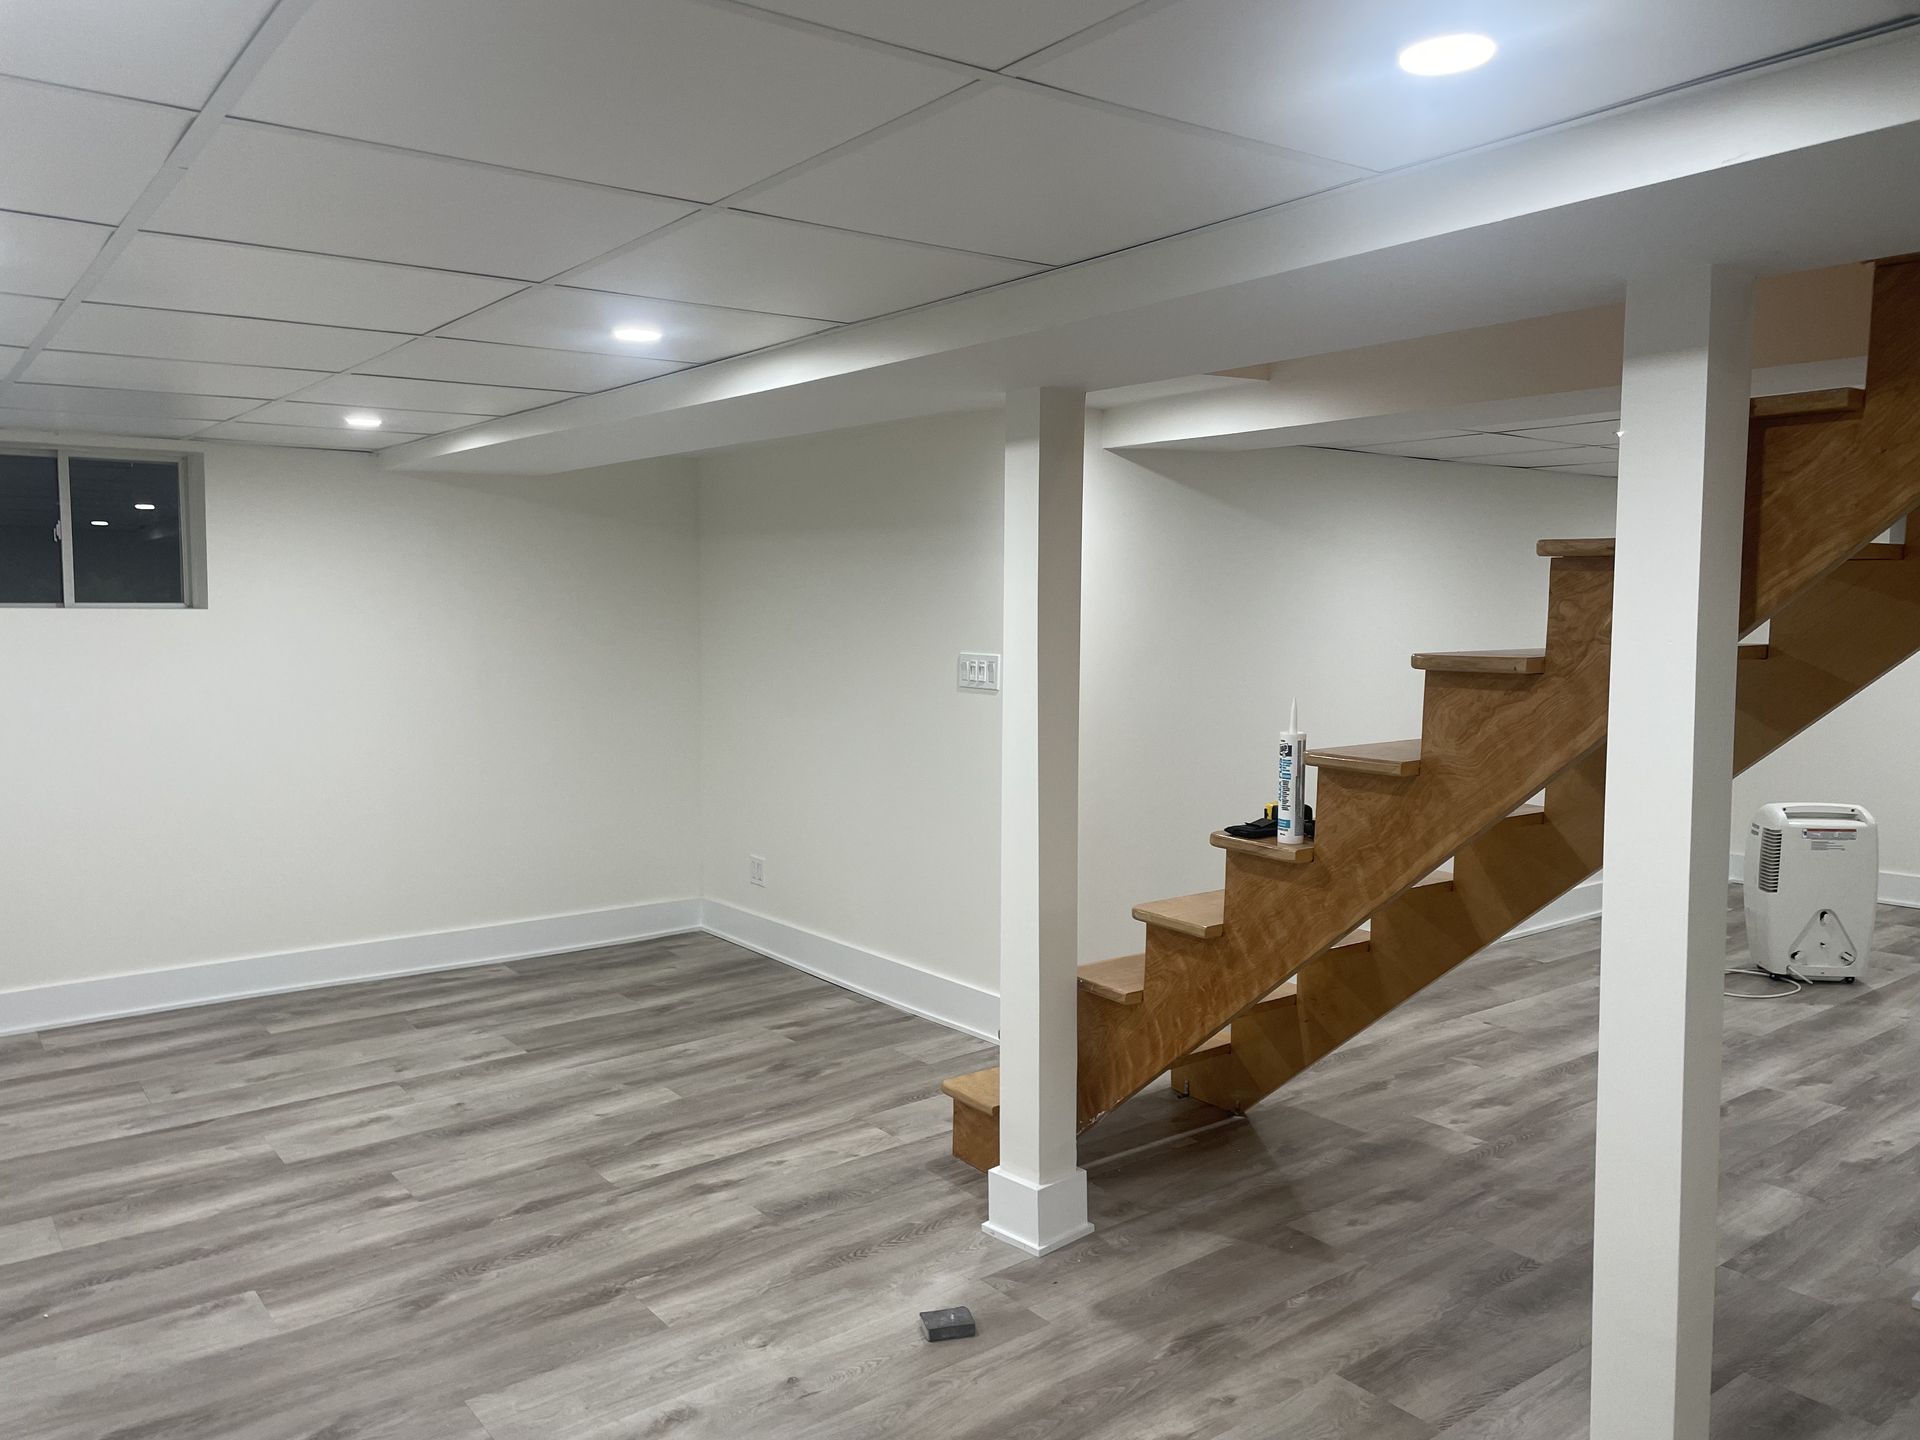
(1853, 756)
(410, 707)
(841, 574)
(840, 577)
(1221, 585)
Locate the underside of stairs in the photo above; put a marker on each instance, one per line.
(1427, 850)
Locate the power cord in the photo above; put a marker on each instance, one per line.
(1797, 982)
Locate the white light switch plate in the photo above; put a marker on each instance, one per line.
(979, 672)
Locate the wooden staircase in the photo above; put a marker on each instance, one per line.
(1427, 850)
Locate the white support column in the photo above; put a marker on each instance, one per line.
(1037, 1194)
(1669, 768)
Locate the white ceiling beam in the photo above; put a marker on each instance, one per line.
(1501, 375)
(1763, 169)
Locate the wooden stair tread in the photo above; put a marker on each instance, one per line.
(1390, 757)
(1528, 814)
(1589, 547)
(1808, 404)
(1122, 979)
(1202, 916)
(1483, 662)
(1217, 1044)
(1602, 545)
(978, 1090)
(1264, 849)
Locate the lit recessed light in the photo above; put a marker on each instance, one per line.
(635, 334)
(101, 523)
(1447, 54)
(143, 505)
(1618, 434)
(361, 420)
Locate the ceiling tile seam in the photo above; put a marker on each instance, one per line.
(695, 305)
(934, 246)
(640, 242)
(1086, 35)
(255, 365)
(71, 89)
(248, 122)
(984, 74)
(61, 219)
(852, 38)
(271, 400)
(224, 315)
(1249, 143)
(272, 29)
(337, 255)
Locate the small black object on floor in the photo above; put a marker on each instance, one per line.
(954, 1324)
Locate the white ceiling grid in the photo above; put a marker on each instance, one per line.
(243, 219)
(1568, 445)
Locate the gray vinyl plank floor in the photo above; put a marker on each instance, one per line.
(676, 1189)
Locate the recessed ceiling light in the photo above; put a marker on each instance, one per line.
(635, 334)
(143, 505)
(361, 420)
(1447, 54)
(101, 523)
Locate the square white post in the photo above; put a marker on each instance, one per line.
(1037, 1194)
(1676, 602)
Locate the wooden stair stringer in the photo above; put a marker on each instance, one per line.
(1496, 741)
(1798, 533)
(1500, 878)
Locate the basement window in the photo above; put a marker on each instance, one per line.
(80, 529)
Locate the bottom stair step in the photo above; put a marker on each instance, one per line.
(979, 1090)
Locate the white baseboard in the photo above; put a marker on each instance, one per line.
(45, 1007)
(1582, 902)
(899, 983)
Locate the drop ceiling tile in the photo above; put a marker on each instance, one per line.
(1323, 79)
(158, 427)
(993, 33)
(1458, 447)
(370, 392)
(222, 339)
(174, 273)
(672, 97)
(87, 400)
(81, 157)
(1593, 432)
(187, 377)
(315, 192)
(1019, 173)
(41, 256)
(22, 317)
(334, 417)
(312, 437)
(569, 319)
(173, 51)
(1570, 455)
(9, 354)
(471, 362)
(1609, 472)
(753, 262)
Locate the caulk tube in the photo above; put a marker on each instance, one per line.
(1293, 751)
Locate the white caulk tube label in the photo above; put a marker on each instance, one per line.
(1292, 750)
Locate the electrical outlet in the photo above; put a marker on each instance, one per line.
(756, 870)
(979, 672)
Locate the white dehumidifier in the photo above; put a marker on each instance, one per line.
(1812, 879)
